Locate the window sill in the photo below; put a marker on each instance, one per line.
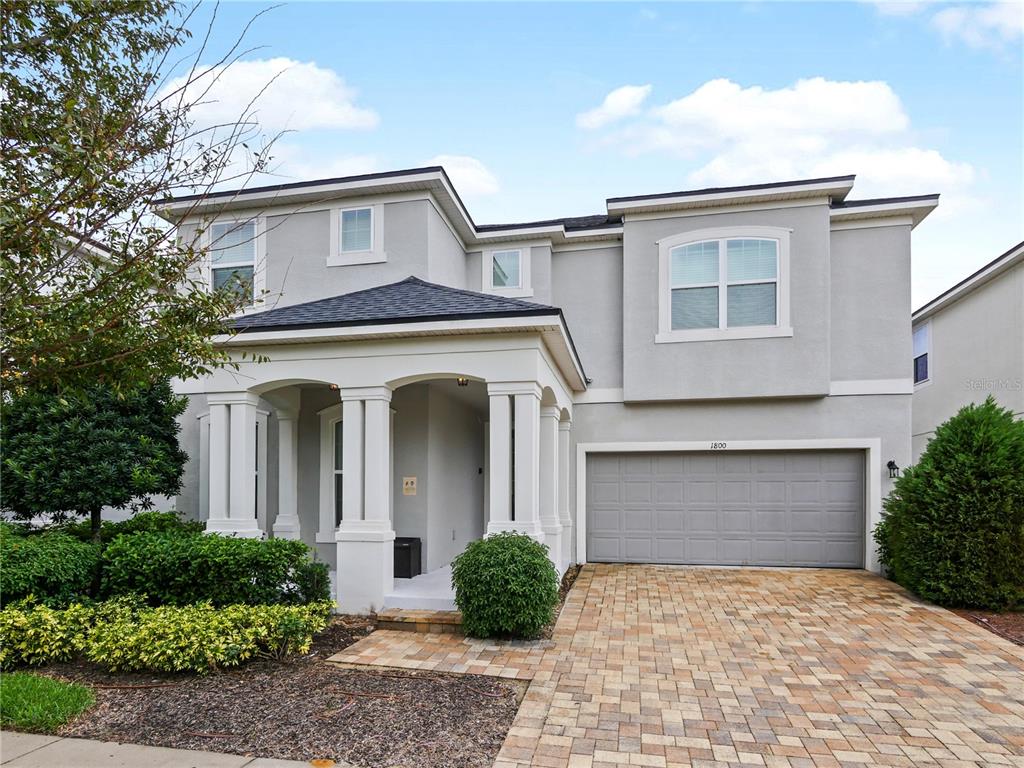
(356, 257)
(723, 334)
(511, 293)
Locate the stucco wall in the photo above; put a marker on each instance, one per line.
(977, 350)
(774, 367)
(412, 459)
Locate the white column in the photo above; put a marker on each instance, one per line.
(526, 462)
(286, 525)
(500, 463)
(565, 516)
(365, 537)
(548, 486)
(217, 481)
(242, 468)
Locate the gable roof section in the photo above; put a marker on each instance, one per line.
(915, 206)
(1002, 263)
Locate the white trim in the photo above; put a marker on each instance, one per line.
(893, 221)
(326, 527)
(871, 387)
(629, 218)
(606, 395)
(524, 289)
(917, 210)
(836, 188)
(594, 245)
(1002, 264)
(375, 254)
(872, 446)
(667, 335)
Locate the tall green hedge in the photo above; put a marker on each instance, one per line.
(54, 567)
(953, 528)
(172, 569)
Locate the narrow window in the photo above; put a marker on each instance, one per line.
(338, 472)
(694, 283)
(357, 230)
(922, 342)
(752, 292)
(506, 269)
(233, 257)
(256, 475)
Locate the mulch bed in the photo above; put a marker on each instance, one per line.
(304, 709)
(1009, 625)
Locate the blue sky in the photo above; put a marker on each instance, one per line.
(544, 110)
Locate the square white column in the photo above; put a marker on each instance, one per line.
(352, 460)
(377, 468)
(526, 463)
(548, 485)
(217, 481)
(242, 468)
(286, 525)
(564, 513)
(499, 463)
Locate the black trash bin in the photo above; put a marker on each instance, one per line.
(408, 562)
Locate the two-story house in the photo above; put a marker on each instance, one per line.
(714, 376)
(969, 344)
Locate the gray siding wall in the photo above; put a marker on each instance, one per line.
(741, 368)
(977, 351)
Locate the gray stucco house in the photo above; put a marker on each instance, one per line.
(969, 344)
(715, 376)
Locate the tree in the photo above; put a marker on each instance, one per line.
(94, 286)
(80, 451)
(953, 529)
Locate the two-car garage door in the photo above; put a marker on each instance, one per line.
(803, 508)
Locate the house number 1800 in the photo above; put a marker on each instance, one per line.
(718, 446)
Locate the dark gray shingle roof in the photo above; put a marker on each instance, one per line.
(409, 300)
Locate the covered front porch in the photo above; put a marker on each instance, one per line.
(349, 437)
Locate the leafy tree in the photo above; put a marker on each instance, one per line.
(953, 529)
(78, 452)
(94, 132)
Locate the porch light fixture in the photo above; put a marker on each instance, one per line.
(893, 467)
(334, 387)
(462, 381)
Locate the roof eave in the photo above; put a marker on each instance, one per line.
(998, 266)
(916, 208)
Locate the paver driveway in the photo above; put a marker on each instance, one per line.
(664, 666)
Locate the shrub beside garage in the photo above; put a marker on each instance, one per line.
(953, 528)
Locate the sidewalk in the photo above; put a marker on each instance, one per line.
(31, 750)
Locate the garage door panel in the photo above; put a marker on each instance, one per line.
(759, 508)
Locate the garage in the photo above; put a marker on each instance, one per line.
(781, 508)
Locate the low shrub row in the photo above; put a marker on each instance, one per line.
(126, 634)
(161, 556)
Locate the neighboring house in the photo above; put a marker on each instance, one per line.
(969, 344)
(714, 376)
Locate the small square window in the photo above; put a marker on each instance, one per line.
(357, 230)
(506, 269)
(922, 347)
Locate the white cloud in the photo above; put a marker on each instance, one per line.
(901, 7)
(620, 103)
(292, 161)
(991, 25)
(816, 127)
(288, 94)
(470, 177)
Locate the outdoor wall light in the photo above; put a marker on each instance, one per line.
(893, 467)
(462, 381)
(334, 387)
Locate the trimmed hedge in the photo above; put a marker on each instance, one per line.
(171, 569)
(505, 586)
(140, 522)
(124, 634)
(54, 567)
(953, 529)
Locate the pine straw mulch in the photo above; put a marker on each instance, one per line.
(304, 709)
(1009, 625)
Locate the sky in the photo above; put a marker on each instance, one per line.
(543, 110)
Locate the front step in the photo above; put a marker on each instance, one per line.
(412, 620)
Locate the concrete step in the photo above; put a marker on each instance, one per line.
(420, 620)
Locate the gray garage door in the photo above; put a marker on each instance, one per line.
(765, 508)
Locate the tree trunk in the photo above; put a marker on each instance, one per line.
(96, 517)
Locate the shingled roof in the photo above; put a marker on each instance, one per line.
(407, 301)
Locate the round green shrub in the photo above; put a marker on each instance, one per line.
(53, 567)
(505, 586)
(953, 528)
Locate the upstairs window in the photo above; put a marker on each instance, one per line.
(922, 347)
(724, 286)
(507, 272)
(233, 257)
(357, 230)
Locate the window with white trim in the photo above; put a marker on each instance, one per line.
(922, 349)
(338, 470)
(233, 248)
(356, 230)
(507, 272)
(724, 284)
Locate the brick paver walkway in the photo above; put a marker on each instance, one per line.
(663, 666)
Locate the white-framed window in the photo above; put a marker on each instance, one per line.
(357, 236)
(922, 353)
(724, 284)
(332, 472)
(506, 272)
(234, 256)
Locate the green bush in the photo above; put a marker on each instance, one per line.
(34, 635)
(505, 586)
(140, 522)
(125, 634)
(953, 528)
(40, 704)
(172, 569)
(54, 567)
